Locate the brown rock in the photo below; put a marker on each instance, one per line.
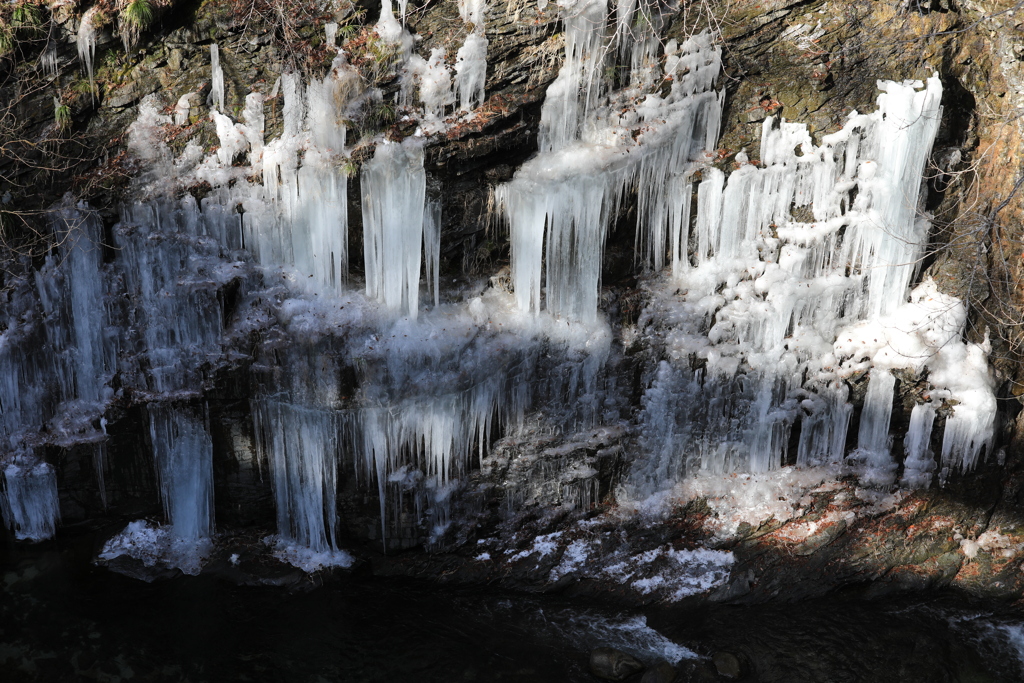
(662, 672)
(613, 665)
(728, 666)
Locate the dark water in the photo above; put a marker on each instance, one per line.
(63, 619)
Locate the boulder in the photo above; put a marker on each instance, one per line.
(610, 664)
(662, 672)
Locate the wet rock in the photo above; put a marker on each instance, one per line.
(662, 672)
(610, 664)
(728, 665)
(136, 569)
(132, 92)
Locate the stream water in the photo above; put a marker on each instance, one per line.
(62, 619)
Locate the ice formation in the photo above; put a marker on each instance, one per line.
(471, 71)
(28, 500)
(184, 463)
(302, 446)
(157, 545)
(793, 283)
(780, 311)
(388, 28)
(561, 203)
(432, 80)
(86, 40)
(394, 191)
(216, 79)
(472, 12)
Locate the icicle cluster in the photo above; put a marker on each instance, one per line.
(561, 203)
(394, 190)
(781, 311)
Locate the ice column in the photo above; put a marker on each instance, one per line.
(919, 463)
(570, 209)
(394, 190)
(576, 89)
(891, 244)
(217, 78)
(76, 312)
(302, 218)
(872, 457)
(29, 500)
(184, 462)
(301, 445)
(783, 310)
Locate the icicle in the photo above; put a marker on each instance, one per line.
(331, 33)
(432, 248)
(100, 463)
(471, 71)
(561, 203)
(575, 90)
(472, 12)
(971, 427)
(86, 40)
(436, 434)
(872, 459)
(49, 60)
(394, 190)
(217, 78)
(547, 201)
(920, 462)
(29, 500)
(388, 28)
(679, 224)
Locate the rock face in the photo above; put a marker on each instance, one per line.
(541, 510)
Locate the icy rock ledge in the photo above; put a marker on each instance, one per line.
(157, 546)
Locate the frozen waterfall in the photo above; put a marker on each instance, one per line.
(778, 293)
